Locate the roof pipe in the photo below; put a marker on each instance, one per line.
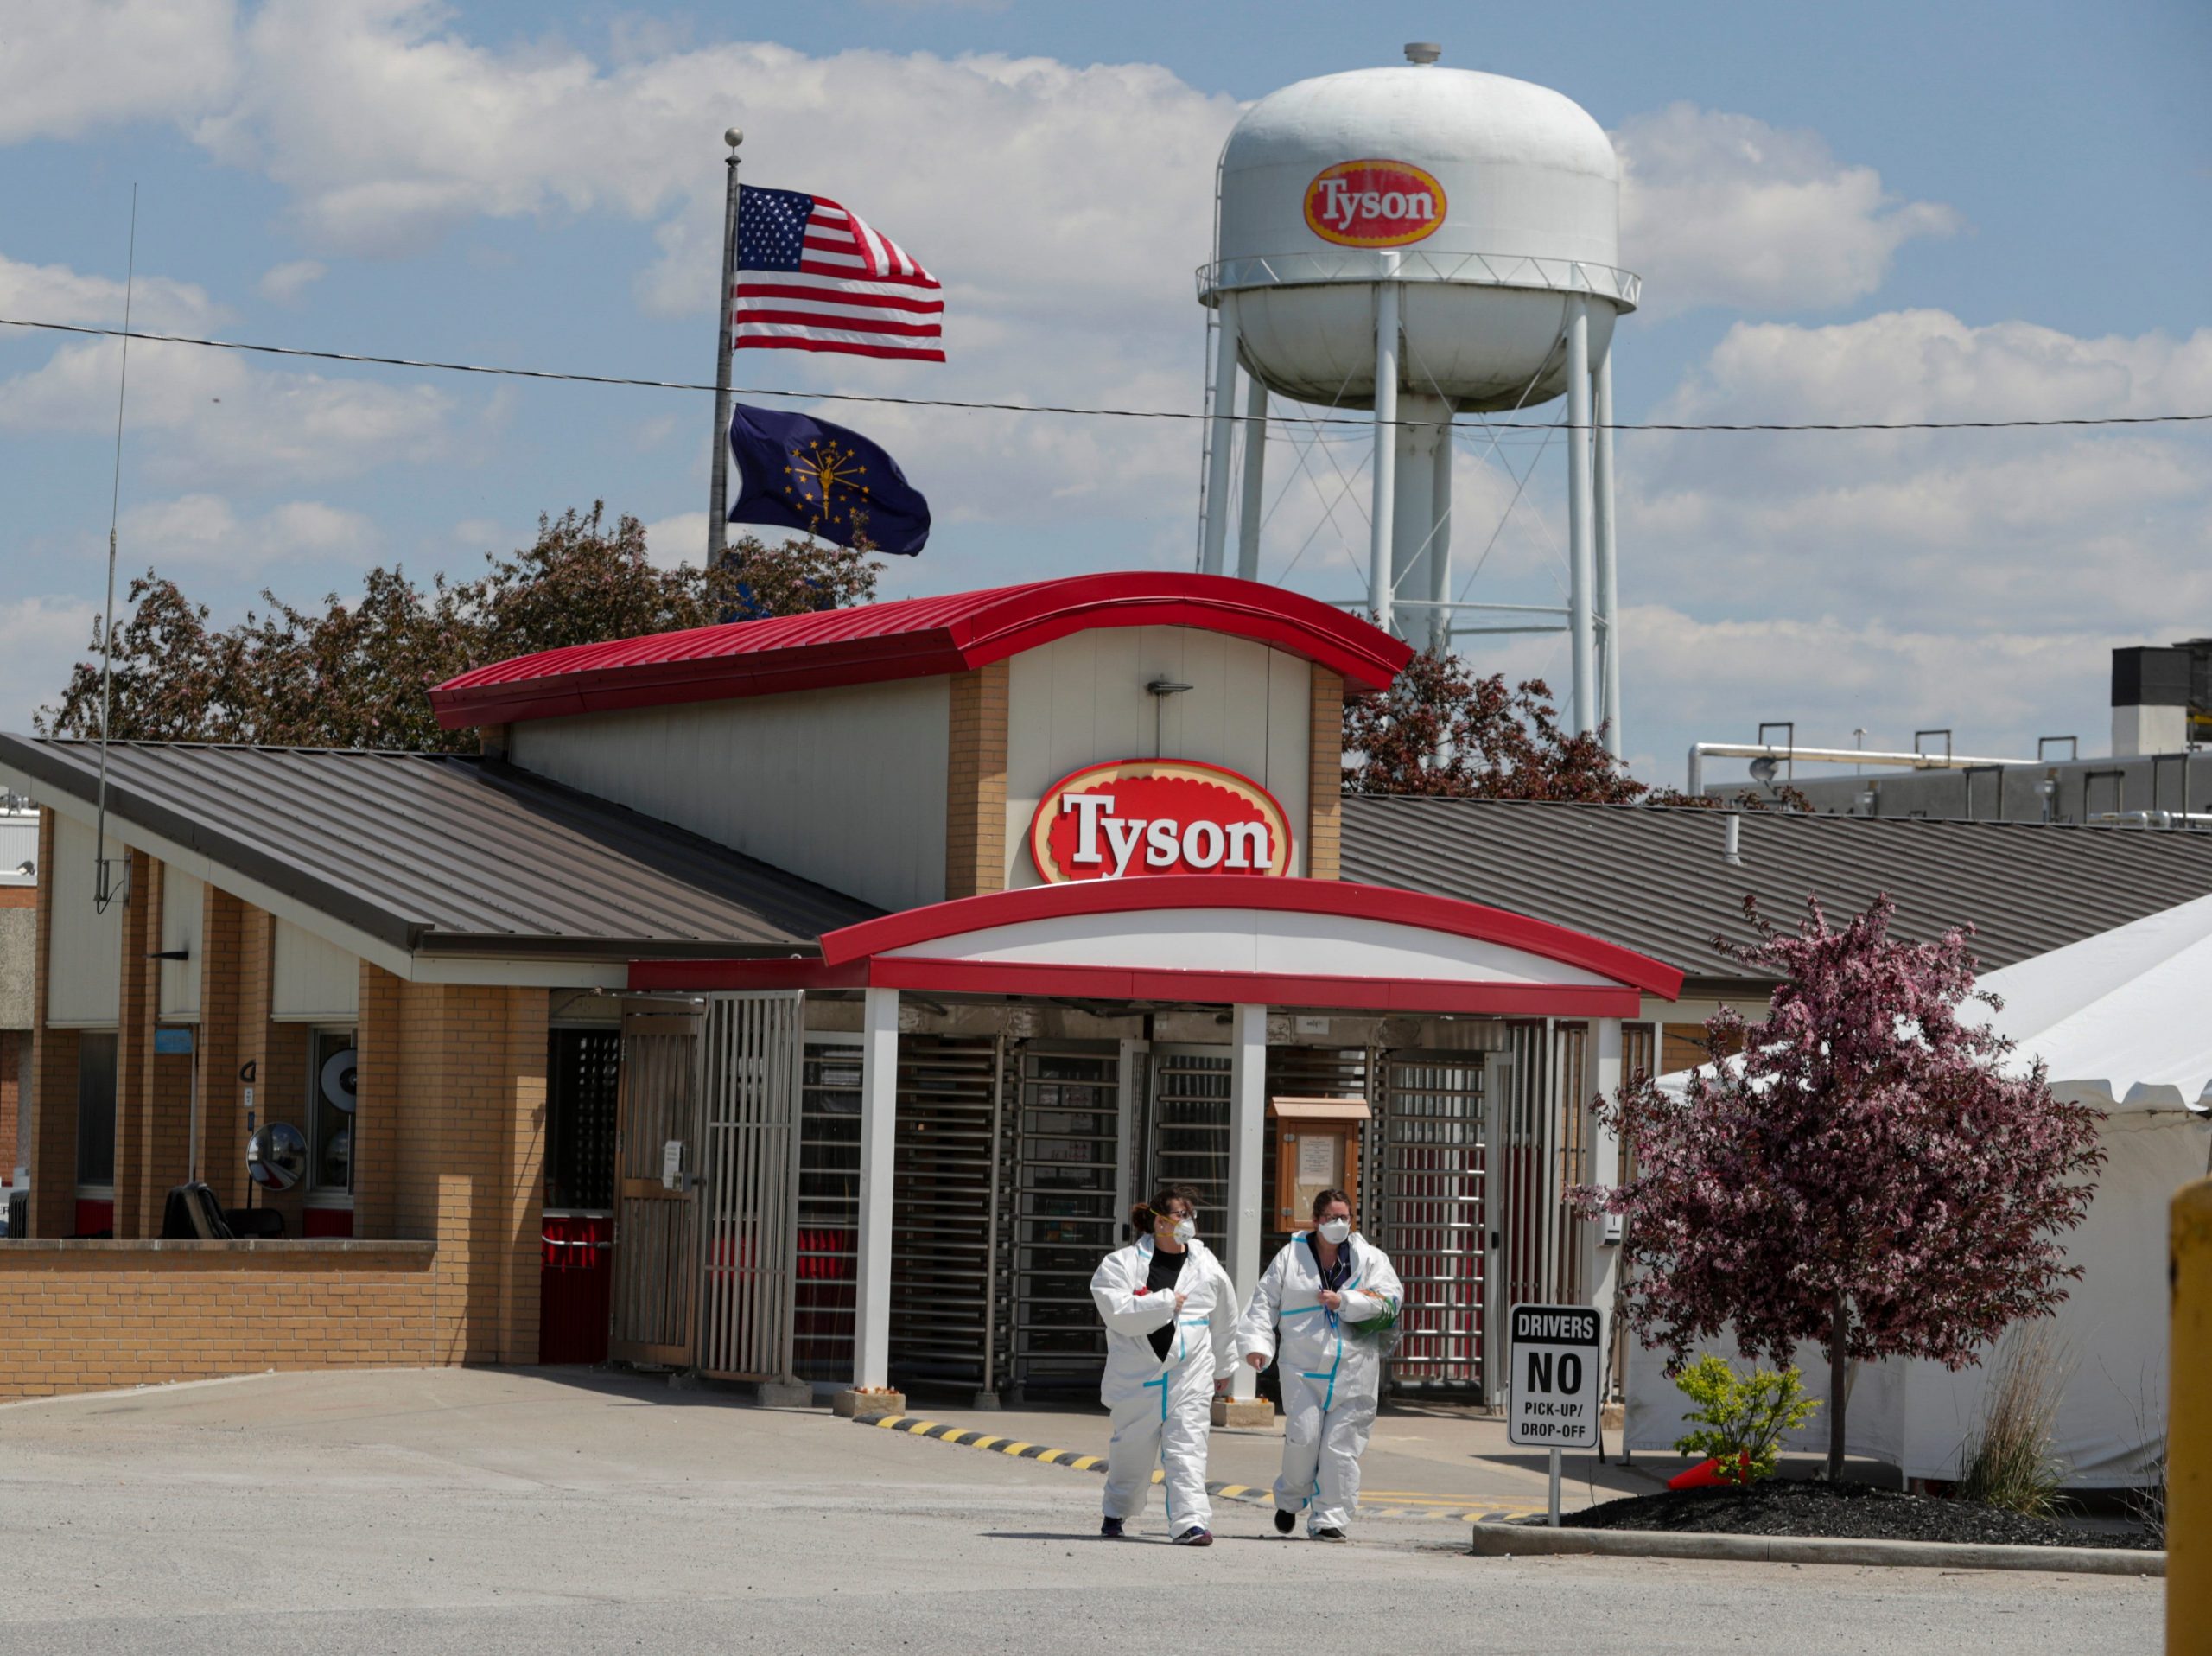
(1700, 751)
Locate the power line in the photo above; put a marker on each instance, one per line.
(1362, 421)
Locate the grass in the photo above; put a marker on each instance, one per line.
(2010, 1465)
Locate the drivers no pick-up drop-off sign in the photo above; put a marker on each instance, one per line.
(1556, 1354)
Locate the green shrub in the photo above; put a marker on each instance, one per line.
(2010, 1464)
(1742, 1417)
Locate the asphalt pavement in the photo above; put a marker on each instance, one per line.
(428, 1511)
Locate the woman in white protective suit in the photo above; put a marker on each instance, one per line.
(1171, 1346)
(1324, 1307)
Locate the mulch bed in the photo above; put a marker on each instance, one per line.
(1843, 1511)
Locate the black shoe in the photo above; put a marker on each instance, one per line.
(1195, 1537)
(1328, 1535)
(1111, 1529)
(1285, 1522)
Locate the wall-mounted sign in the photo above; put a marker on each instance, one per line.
(1158, 816)
(1373, 204)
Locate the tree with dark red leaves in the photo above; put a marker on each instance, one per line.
(1866, 1176)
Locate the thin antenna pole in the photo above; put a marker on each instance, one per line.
(718, 505)
(103, 886)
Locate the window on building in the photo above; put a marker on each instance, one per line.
(582, 1069)
(96, 1107)
(330, 1111)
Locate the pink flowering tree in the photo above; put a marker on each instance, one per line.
(1865, 1176)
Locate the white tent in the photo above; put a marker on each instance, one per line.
(2122, 1021)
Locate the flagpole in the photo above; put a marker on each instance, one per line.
(718, 505)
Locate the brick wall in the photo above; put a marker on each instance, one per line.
(53, 1082)
(450, 1144)
(222, 964)
(84, 1316)
(11, 1048)
(974, 826)
(448, 1174)
(1325, 780)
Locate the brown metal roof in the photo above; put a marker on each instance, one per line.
(445, 853)
(1655, 880)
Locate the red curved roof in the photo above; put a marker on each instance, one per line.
(1452, 915)
(908, 638)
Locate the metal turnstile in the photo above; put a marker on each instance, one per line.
(1189, 1119)
(1067, 1212)
(948, 1318)
(1430, 1203)
(829, 1209)
(1518, 1175)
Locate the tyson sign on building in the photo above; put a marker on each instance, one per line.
(1132, 816)
(1373, 204)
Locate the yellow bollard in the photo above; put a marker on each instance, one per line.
(2189, 1429)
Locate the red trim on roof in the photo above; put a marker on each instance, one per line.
(1414, 908)
(908, 638)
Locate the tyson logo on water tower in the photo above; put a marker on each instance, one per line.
(1132, 816)
(1373, 204)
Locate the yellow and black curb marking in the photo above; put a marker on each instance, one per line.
(1401, 1507)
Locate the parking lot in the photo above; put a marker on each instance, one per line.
(436, 1510)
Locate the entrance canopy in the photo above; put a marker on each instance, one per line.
(1216, 938)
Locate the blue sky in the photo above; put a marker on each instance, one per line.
(1882, 211)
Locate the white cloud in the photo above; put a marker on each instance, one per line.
(41, 638)
(1722, 209)
(1906, 579)
(69, 66)
(1067, 273)
(2058, 528)
(205, 530)
(214, 418)
(54, 293)
(673, 542)
(284, 284)
(1999, 688)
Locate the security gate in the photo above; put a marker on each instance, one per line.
(1518, 1178)
(1066, 1214)
(749, 1183)
(1190, 1132)
(948, 1321)
(1430, 1213)
(656, 1118)
(829, 1209)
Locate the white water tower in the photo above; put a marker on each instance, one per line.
(1421, 242)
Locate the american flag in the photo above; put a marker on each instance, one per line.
(813, 277)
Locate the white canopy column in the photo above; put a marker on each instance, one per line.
(1604, 1162)
(1248, 1109)
(878, 1128)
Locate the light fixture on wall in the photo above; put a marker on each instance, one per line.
(1160, 690)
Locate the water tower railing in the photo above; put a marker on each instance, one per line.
(1624, 288)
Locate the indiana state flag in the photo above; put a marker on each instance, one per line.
(795, 472)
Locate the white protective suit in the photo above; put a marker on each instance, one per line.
(1331, 1378)
(1162, 1408)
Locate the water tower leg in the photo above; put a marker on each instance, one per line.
(1609, 638)
(1250, 509)
(1581, 550)
(1439, 547)
(1416, 514)
(1220, 431)
(1385, 478)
